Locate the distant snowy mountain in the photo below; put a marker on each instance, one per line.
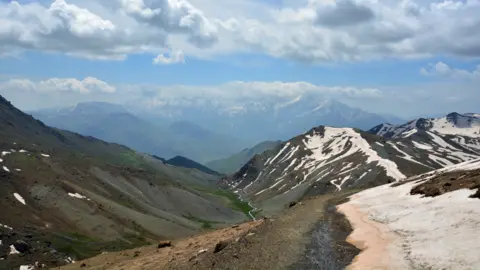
(257, 120)
(328, 159)
(452, 124)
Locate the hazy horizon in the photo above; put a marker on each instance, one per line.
(404, 58)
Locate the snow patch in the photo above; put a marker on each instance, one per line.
(6, 169)
(13, 250)
(278, 154)
(22, 151)
(407, 156)
(27, 267)
(77, 195)
(337, 138)
(463, 126)
(379, 144)
(450, 219)
(45, 155)
(6, 227)
(409, 133)
(438, 140)
(422, 146)
(4, 153)
(19, 198)
(441, 161)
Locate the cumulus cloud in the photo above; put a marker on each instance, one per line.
(131, 27)
(174, 16)
(315, 31)
(441, 69)
(343, 13)
(173, 57)
(52, 85)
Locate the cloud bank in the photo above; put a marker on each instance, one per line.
(313, 31)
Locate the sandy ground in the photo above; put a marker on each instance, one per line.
(373, 238)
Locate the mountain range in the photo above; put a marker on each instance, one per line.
(327, 159)
(206, 130)
(262, 119)
(114, 123)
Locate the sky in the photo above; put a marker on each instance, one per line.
(402, 57)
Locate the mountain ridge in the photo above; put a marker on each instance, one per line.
(114, 123)
(328, 159)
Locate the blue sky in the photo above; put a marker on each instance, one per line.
(399, 57)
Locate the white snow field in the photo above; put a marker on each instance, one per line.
(415, 232)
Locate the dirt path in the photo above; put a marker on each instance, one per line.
(276, 243)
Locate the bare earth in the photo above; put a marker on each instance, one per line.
(275, 243)
(373, 238)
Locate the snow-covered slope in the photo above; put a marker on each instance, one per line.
(453, 124)
(327, 159)
(450, 213)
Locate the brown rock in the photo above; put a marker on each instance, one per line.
(220, 246)
(163, 244)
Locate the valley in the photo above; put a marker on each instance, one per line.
(75, 202)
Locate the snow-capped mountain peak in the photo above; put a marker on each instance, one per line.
(452, 124)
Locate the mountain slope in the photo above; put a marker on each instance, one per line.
(188, 163)
(113, 123)
(461, 125)
(327, 159)
(235, 162)
(81, 196)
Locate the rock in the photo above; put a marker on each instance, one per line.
(220, 246)
(163, 244)
(83, 265)
(235, 226)
(292, 204)
(21, 246)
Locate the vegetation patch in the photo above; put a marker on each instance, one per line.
(206, 224)
(235, 202)
(81, 247)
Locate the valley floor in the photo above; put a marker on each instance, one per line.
(299, 238)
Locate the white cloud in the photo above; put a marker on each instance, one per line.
(441, 69)
(173, 57)
(87, 85)
(72, 29)
(309, 31)
(418, 99)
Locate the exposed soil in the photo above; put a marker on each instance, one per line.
(296, 239)
(448, 182)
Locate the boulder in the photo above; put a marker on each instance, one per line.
(220, 246)
(21, 246)
(163, 244)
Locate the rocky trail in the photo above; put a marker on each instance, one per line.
(296, 238)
